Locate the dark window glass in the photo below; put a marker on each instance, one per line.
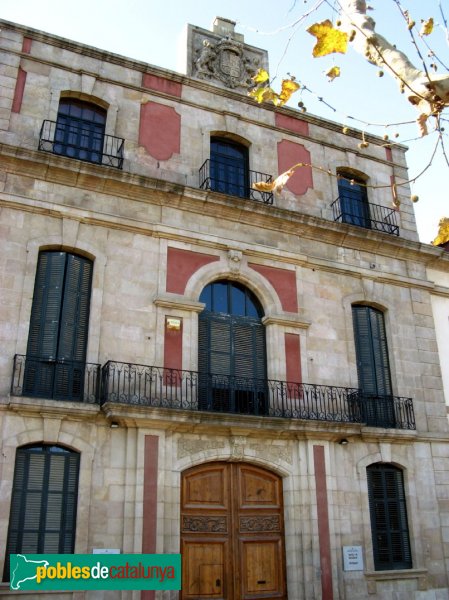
(354, 205)
(57, 340)
(391, 544)
(229, 168)
(80, 128)
(231, 355)
(43, 503)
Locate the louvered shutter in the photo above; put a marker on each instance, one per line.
(391, 544)
(380, 352)
(44, 324)
(69, 377)
(57, 340)
(373, 366)
(43, 503)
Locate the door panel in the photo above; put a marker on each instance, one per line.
(232, 533)
(206, 487)
(204, 569)
(260, 560)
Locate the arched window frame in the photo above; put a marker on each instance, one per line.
(43, 502)
(232, 360)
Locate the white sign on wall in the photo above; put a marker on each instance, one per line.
(352, 558)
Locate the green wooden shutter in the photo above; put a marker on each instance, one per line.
(43, 503)
(75, 309)
(57, 340)
(380, 352)
(44, 324)
(373, 368)
(372, 352)
(391, 543)
(72, 343)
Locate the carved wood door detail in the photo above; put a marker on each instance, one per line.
(232, 533)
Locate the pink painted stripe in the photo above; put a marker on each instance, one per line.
(18, 92)
(323, 523)
(149, 527)
(26, 45)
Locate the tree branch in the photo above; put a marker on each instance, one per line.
(428, 93)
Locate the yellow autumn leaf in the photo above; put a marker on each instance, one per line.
(329, 40)
(332, 73)
(274, 186)
(261, 76)
(289, 87)
(427, 27)
(263, 94)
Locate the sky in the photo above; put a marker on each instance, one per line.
(151, 31)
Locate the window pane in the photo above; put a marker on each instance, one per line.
(220, 297)
(237, 301)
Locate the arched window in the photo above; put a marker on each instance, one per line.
(353, 200)
(373, 366)
(80, 129)
(44, 502)
(389, 527)
(57, 340)
(229, 167)
(231, 350)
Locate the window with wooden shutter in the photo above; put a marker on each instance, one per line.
(373, 367)
(43, 503)
(57, 339)
(391, 543)
(231, 350)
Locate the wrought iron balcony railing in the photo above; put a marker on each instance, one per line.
(76, 141)
(356, 211)
(142, 385)
(234, 180)
(56, 379)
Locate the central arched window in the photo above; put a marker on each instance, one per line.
(231, 350)
(229, 167)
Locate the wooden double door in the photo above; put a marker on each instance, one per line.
(232, 533)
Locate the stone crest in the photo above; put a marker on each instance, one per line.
(222, 57)
(225, 61)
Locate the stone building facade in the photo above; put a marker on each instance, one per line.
(191, 365)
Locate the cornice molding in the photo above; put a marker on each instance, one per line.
(287, 320)
(178, 302)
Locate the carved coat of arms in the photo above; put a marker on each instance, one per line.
(225, 61)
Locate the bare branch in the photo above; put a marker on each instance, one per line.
(429, 93)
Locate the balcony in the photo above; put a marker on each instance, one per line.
(356, 211)
(157, 387)
(233, 180)
(56, 379)
(77, 141)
